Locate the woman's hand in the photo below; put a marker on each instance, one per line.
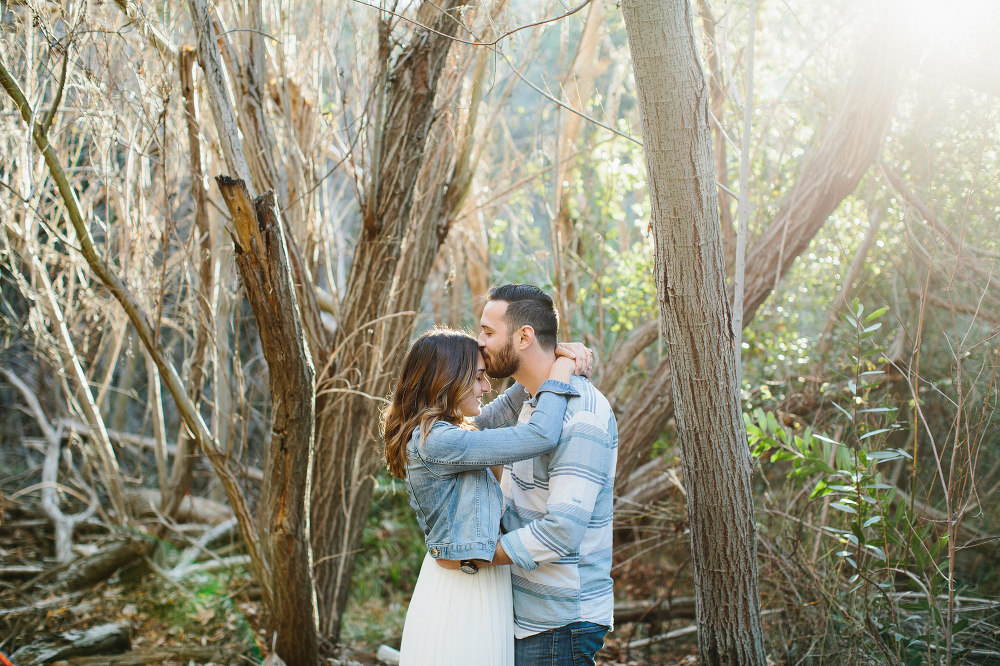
(562, 369)
(580, 353)
(499, 557)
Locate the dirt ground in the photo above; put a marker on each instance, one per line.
(215, 618)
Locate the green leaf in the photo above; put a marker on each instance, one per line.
(874, 410)
(878, 313)
(820, 490)
(772, 426)
(843, 507)
(874, 327)
(879, 553)
(871, 521)
(873, 433)
(960, 625)
(882, 456)
(823, 467)
(856, 529)
(846, 413)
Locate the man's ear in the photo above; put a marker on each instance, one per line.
(525, 336)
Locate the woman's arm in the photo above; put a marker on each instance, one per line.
(449, 449)
(504, 411)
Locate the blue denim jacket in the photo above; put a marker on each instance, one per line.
(457, 499)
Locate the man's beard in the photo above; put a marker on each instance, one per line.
(504, 362)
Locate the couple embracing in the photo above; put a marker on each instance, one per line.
(514, 499)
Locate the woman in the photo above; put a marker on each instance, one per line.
(456, 618)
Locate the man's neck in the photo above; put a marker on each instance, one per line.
(535, 366)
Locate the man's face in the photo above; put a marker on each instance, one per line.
(496, 342)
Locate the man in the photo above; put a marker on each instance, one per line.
(558, 519)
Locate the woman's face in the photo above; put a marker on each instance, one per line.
(472, 404)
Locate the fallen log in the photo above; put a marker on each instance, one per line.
(193, 509)
(655, 611)
(20, 571)
(92, 569)
(103, 639)
(669, 636)
(24, 524)
(649, 483)
(200, 546)
(45, 604)
(155, 656)
(210, 566)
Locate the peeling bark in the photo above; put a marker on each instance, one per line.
(262, 258)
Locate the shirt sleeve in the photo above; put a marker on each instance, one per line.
(578, 469)
(503, 411)
(449, 449)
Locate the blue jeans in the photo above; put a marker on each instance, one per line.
(572, 645)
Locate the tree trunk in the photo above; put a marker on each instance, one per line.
(184, 459)
(845, 152)
(262, 258)
(354, 365)
(368, 339)
(697, 324)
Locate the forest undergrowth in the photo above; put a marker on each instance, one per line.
(818, 607)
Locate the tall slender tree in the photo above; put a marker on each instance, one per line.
(697, 326)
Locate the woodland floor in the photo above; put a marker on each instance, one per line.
(218, 618)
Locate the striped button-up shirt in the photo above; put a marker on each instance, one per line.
(558, 520)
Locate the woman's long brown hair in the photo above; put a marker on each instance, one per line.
(438, 372)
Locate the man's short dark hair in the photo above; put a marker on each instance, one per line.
(528, 305)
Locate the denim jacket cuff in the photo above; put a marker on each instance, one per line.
(556, 387)
(516, 551)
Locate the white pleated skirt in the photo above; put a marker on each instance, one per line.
(457, 619)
